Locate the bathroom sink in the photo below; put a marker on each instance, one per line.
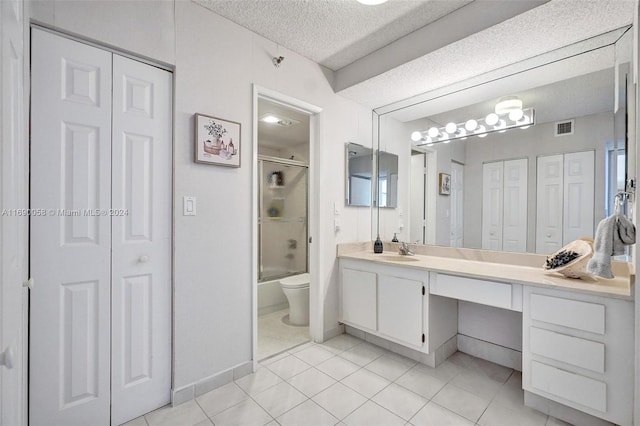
(399, 258)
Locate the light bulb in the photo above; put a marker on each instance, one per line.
(270, 119)
(433, 132)
(429, 144)
(451, 127)
(416, 136)
(444, 136)
(471, 125)
(461, 132)
(492, 119)
(501, 125)
(481, 132)
(516, 115)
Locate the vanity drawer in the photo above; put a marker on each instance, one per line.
(472, 290)
(568, 313)
(568, 349)
(570, 386)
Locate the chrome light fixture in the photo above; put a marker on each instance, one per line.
(494, 122)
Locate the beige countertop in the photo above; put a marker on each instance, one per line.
(514, 268)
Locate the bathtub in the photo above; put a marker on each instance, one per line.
(271, 298)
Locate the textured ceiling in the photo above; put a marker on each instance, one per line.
(551, 26)
(333, 33)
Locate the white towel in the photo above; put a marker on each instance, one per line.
(612, 234)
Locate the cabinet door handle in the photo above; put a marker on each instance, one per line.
(6, 358)
(143, 259)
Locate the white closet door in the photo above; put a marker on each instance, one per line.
(492, 205)
(70, 248)
(549, 203)
(515, 206)
(578, 195)
(141, 288)
(457, 207)
(417, 199)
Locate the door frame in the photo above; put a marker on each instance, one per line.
(316, 315)
(29, 25)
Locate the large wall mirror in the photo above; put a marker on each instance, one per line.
(534, 153)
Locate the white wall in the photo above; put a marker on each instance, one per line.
(590, 133)
(216, 63)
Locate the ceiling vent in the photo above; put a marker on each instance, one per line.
(564, 128)
(278, 120)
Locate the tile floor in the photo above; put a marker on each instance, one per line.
(347, 381)
(275, 335)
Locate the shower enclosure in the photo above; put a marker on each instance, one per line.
(282, 220)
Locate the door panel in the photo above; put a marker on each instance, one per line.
(515, 206)
(579, 195)
(141, 239)
(12, 227)
(457, 207)
(70, 247)
(492, 205)
(417, 200)
(549, 210)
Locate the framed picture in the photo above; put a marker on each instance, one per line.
(217, 141)
(444, 183)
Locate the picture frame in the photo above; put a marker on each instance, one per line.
(444, 184)
(217, 141)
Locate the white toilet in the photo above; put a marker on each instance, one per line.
(296, 288)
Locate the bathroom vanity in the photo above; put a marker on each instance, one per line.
(577, 347)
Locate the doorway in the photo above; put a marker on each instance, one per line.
(100, 237)
(284, 286)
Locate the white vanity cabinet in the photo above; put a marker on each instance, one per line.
(578, 351)
(393, 302)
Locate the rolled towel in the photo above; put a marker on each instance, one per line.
(626, 235)
(600, 263)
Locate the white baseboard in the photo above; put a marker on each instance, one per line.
(490, 351)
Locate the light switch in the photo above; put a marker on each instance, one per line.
(189, 206)
(336, 224)
(336, 209)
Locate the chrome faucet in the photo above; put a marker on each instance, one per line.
(404, 250)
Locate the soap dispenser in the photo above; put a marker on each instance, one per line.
(395, 238)
(377, 245)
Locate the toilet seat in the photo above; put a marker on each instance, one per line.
(295, 282)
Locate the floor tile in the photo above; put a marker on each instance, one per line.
(390, 366)
(279, 399)
(511, 394)
(552, 421)
(420, 382)
(314, 355)
(487, 368)
(371, 414)
(365, 382)
(288, 367)
(206, 422)
(311, 382)
(275, 336)
(446, 371)
(477, 383)
(220, 399)
(138, 421)
(301, 347)
(272, 423)
(461, 402)
(399, 401)
(274, 358)
(307, 414)
(363, 353)
(185, 414)
(247, 413)
(338, 367)
(341, 343)
(434, 415)
(258, 381)
(339, 400)
(498, 415)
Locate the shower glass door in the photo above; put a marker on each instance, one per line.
(282, 221)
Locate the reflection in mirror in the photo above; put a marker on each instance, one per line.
(532, 188)
(359, 163)
(387, 179)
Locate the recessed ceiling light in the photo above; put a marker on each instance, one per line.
(270, 119)
(371, 2)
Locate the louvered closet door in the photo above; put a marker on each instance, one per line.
(70, 251)
(141, 288)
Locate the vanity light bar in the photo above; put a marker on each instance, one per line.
(518, 119)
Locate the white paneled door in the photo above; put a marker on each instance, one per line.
(549, 203)
(579, 191)
(100, 250)
(514, 229)
(492, 205)
(417, 219)
(457, 206)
